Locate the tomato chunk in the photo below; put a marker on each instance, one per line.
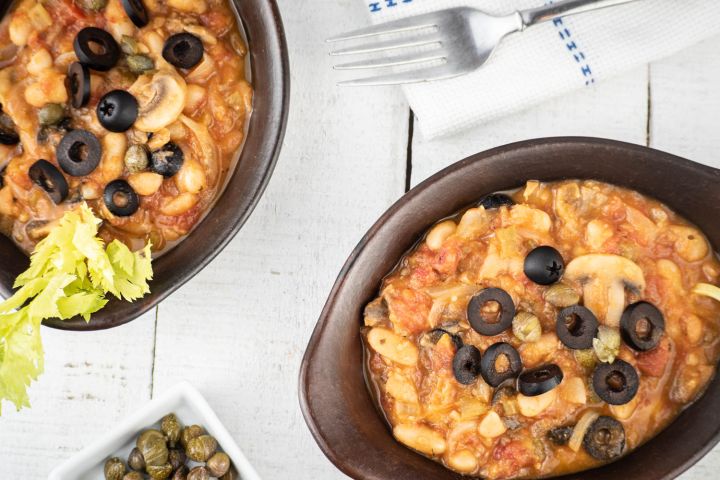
(653, 362)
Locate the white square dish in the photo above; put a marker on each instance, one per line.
(183, 400)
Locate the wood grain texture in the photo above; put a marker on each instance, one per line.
(239, 329)
(684, 103)
(91, 380)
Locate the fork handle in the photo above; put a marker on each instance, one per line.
(537, 15)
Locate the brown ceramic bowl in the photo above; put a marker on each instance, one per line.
(271, 81)
(333, 394)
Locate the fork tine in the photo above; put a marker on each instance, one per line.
(396, 26)
(411, 76)
(389, 45)
(405, 59)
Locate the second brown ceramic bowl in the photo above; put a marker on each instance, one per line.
(333, 395)
(271, 82)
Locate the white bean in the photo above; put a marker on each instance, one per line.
(392, 346)
(180, 204)
(573, 391)
(439, 234)
(191, 177)
(39, 62)
(534, 406)
(690, 243)
(20, 29)
(420, 438)
(113, 161)
(145, 183)
(463, 461)
(192, 6)
(401, 388)
(492, 425)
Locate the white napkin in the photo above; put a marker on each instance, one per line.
(551, 59)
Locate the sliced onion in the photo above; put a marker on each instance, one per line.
(707, 290)
(581, 429)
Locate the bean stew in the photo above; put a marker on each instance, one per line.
(136, 107)
(545, 331)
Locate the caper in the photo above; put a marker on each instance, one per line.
(176, 458)
(160, 472)
(201, 448)
(561, 295)
(181, 473)
(607, 343)
(136, 460)
(129, 45)
(586, 358)
(231, 474)
(526, 327)
(133, 476)
(94, 5)
(218, 464)
(51, 114)
(140, 63)
(199, 473)
(151, 444)
(169, 425)
(136, 160)
(190, 432)
(114, 469)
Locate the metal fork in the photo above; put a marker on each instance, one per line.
(457, 40)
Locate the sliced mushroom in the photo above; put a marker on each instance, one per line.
(161, 100)
(604, 279)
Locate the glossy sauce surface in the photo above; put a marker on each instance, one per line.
(478, 430)
(36, 46)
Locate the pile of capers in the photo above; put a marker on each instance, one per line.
(164, 454)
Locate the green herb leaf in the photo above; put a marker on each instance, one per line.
(70, 274)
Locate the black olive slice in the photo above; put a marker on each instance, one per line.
(605, 439)
(77, 84)
(544, 265)
(96, 49)
(120, 198)
(137, 12)
(8, 133)
(79, 153)
(576, 327)
(49, 178)
(539, 380)
(560, 435)
(506, 389)
(117, 110)
(183, 50)
(616, 383)
(642, 325)
(496, 200)
(466, 364)
(483, 325)
(437, 333)
(495, 374)
(168, 160)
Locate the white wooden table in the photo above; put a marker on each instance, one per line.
(239, 329)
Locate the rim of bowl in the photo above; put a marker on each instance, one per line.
(273, 45)
(328, 311)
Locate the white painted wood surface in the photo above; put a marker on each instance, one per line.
(239, 329)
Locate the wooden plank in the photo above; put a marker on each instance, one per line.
(685, 102)
(238, 330)
(91, 380)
